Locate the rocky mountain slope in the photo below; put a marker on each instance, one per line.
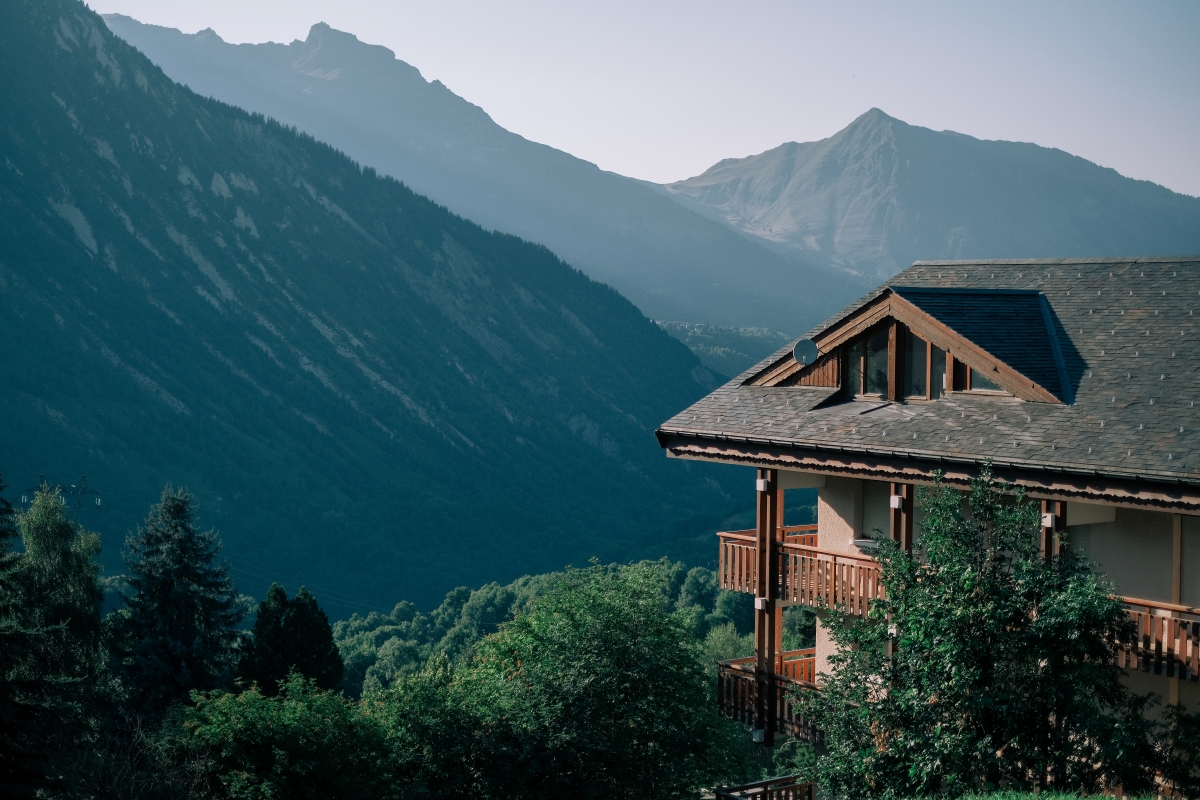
(881, 194)
(366, 392)
(673, 264)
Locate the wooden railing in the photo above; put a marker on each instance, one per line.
(787, 787)
(811, 576)
(808, 575)
(739, 686)
(1168, 640)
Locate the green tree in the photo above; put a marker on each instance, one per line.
(179, 630)
(302, 743)
(290, 636)
(987, 667)
(49, 644)
(596, 692)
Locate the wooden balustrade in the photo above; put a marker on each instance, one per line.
(787, 787)
(1168, 640)
(814, 577)
(738, 688)
(808, 575)
(737, 563)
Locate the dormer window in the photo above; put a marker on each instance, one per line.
(922, 343)
(924, 369)
(867, 365)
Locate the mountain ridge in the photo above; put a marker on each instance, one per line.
(365, 391)
(881, 193)
(671, 262)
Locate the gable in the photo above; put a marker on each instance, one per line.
(1009, 337)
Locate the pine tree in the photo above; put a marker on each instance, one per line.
(179, 630)
(291, 635)
(49, 643)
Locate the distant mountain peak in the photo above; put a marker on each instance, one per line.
(881, 193)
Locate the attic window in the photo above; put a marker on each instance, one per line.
(969, 379)
(924, 369)
(867, 365)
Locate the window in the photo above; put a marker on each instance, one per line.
(981, 384)
(924, 368)
(867, 365)
(877, 363)
(1190, 562)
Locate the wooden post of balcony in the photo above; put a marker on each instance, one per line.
(766, 634)
(1051, 544)
(902, 517)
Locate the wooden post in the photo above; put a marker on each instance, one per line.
(766, 633)
(902, 514)
(950, 387)
(895, 364)
(1054, 512)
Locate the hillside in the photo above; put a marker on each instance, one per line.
(366, 392)
(881, 194)
(671, 263)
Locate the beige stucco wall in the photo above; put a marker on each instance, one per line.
(839, 514)
(1135, 553)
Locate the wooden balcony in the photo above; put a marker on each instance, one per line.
(788, 787)
(1168, 640)
(740, 689)
(807, 574)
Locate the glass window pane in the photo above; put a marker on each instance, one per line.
(981, 384)
(854, 354)
(960, 376)
(877, 363)
(937, 373)
(914, 365)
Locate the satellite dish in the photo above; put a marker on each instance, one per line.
(805, 352)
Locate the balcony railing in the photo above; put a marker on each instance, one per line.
(1168, 640)
(808, 575)
(788, 787)
(739, 687)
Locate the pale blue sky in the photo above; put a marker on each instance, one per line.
(662, 90)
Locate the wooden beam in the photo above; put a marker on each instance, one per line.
(902, 514)
(1176, 559)
(895, 360)
(1115, 491)
(767, 524)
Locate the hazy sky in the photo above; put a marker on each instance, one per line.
(662, 90)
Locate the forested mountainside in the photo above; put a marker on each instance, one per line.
(672, 263)
(881, 194)
(365, 392)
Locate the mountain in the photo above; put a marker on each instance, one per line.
(366, 392)
(881, 194)
(673, 264)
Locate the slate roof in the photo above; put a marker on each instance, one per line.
(1009, 324)
(1130, 342)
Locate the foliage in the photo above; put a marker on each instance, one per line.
(49, 644)
(596, 692)
(1179, 747)
(987, 667)
(290, 635)
(304, 743)
(179, 630)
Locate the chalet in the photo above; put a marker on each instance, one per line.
(1077, 379)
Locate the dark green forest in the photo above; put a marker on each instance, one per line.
(365, 392)
(593, 682)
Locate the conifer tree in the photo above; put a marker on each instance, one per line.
(49, 643)
(179, 630)
(291, 635)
